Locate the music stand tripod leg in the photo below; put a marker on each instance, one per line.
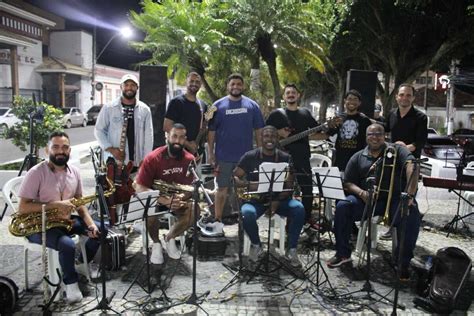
(103, 305)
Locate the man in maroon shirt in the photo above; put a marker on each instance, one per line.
(168, 163)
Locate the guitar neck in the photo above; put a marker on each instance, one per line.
(301, 135)
(123, 136)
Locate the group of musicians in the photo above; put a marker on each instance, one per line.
(236, 121)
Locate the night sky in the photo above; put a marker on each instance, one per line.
(110, 14)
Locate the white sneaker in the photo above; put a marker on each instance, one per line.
(213, 229)
(73, 294)
(157, 254)
(172, 249)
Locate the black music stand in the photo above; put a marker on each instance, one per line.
(103, 305)
(241, 270)
(193, 298)
(271, 177)
(368, 288)
(139, 207)
(329, 185)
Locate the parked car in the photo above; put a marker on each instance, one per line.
(73, 116)
(7, 119)
(93, 113)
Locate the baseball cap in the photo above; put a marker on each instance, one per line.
(129, 77)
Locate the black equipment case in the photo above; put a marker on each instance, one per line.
(211, 247)
(114, 251)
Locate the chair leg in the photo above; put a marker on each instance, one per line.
(53, 265)
(246, 247)
(374, 235)
(82, 245)
(25, 265)
(282, 222)
(144, 233)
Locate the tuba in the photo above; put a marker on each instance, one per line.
(22, 225)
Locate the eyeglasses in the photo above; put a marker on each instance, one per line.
(376, 134)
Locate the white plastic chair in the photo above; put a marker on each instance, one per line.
(276, 220)
(361, 243)
(11, 188)
(318, 161)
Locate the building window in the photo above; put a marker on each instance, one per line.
(108, 95)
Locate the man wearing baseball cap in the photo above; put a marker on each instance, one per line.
(128, 116)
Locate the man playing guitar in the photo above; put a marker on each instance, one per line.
(290, 121)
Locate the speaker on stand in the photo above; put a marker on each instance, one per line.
(365, 82)
(153, 87)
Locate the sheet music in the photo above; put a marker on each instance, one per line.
(330, 181)
(137, 206)
(265, 173)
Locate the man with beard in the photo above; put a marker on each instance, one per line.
(188, 110)
(361, 166)
(282, 203)
(110, 123)
(231, 134)
(290, 121)
(168, 163)
(54, 183)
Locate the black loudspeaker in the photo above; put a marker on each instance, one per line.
(366, 83)
(153, 87)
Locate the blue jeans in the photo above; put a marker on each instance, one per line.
(59, 239)
(350, 211)
(292, 209)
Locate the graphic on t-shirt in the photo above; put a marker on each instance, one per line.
(236, 111)
(349, 129)
(172, 171)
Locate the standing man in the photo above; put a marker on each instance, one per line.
(282, 203)
(139, 130)
(230, 136)
(188, 110)
(168, 163)
(55, 183)
(293, 120)
(359, 168)
(377, 114)
(407, 125)
(351, 132)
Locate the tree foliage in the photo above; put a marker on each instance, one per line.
(20, 132)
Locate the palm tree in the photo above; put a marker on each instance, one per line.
(273, 28)
(181, 34)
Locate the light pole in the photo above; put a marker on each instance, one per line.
(125, 32)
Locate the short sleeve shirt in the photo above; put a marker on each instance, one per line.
(42, 184)
(158, 165)
(188, 113)
(234, 123)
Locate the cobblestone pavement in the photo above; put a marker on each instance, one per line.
(278, 293)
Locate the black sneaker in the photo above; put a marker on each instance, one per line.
(336, 261)
(387, 235)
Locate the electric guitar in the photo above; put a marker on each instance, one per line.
(208, 115)
(323, 127)
(119, 174)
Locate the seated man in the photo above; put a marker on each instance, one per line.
(55, 183)
(282, 203)
(358, 169)
(168, 163)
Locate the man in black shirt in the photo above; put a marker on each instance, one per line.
(290, 121)
(359, 168)
(281, 202)
(188, 110)
(407, 125)
(351, 132)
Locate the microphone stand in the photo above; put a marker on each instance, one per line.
(368, 287)
(103, 305)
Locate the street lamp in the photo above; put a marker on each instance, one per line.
(125, 32)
